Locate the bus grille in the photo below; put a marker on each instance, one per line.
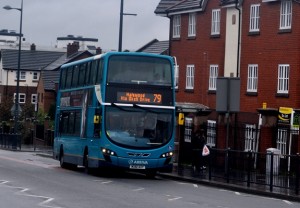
(130, 154)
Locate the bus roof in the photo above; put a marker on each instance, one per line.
(113, 53)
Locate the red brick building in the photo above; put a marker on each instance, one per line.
(256, 41)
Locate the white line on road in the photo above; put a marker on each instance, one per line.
(288, 202)
(176, 198)
(195, 185)
(138, 189)
(22, 192)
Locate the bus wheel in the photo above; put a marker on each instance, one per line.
(86, 164)
(62, 163)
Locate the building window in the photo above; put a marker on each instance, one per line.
(254, 18)
(188, 129)
(22, 75)
(34, 98)
(286, 14)
(176, 26)
(215, 22)
(282, 135)
(211, 134)
(252, 78)
(190, 70)
(22, 97)
(176, 81)
(250, 137)
(192, 25)
(283, 78)
(35, 76)
(213, 75)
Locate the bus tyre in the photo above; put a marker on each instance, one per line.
(86, 165)
(61, 161)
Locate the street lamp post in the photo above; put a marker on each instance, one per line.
(17, 107)
(121, 24)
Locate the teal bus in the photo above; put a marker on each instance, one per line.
(116, 110)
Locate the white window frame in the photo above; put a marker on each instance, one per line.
(192, 25)
(35, 76)
(34, 98)
(176, 76)
(283, 78)
(211, 134)
(22, 75)
(215, 21)
(22, 97)
(252, 80)
(286, 14)
(213, 75)
(250, 137)
(190, 73)
(188, 129)
(254, 18)
(176, 26)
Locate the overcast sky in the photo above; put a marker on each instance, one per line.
(45, 20)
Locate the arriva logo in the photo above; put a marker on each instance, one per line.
(138, 162)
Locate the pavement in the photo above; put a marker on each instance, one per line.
(187, 174)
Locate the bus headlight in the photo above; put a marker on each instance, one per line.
(167, 155)
(108, 152)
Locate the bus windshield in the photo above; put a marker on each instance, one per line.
(138, 128)
(139, 70)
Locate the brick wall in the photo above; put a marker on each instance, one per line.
(268, 49)
(201, 51)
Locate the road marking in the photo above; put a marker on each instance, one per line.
(195, 185)
(176, 198)
(22, 192)
(138, 189)
(237, 193)
(288, 202)
(103, 182)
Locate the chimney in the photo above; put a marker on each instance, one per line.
(32, 47)
(98, 50)
(72, 48)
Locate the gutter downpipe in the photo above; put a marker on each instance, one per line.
(239, 38)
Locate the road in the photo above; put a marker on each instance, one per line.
(28, 180)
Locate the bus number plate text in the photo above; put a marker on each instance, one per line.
(137, 167)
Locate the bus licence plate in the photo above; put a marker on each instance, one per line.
(137, 167)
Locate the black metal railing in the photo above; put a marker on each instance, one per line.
(10, 141)
(269, 171)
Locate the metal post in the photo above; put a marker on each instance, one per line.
(121, 24)
(271, 172)
(16, 112)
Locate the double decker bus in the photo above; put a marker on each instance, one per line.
(116, 110)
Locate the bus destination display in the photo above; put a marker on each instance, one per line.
(133, 97)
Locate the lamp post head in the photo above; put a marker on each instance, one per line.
(7, 7)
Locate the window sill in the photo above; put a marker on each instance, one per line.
(251, 93)
(189, 90)
(215, 36)
(253, 33)
(211, 92)
(191, 38)
(282, 31)
(176, 38)
(283, 95)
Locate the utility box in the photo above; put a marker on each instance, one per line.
(275, 153)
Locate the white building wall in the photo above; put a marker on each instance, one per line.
(231, 44)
